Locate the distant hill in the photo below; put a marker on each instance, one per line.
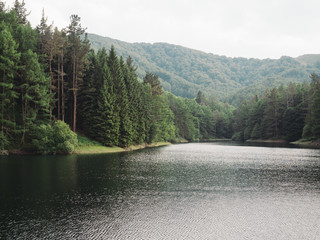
(309, 59)
(185, 71)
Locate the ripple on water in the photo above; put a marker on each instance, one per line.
(187, 191)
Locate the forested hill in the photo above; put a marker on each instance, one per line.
(185, 71)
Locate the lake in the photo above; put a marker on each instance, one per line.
(183, 191)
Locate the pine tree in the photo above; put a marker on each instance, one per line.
(125, 137)
(272, 114)
(59, 39)
(21, 11)
(47, 51)
(96, 108)
(309, 128)
(134, 99)
(35, 94)
(316, 114)
(154, 82)
(78, 51)
(115, 88)
(2, 6)
(8, 69)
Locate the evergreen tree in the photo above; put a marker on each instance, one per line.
(35, 94)
(309, 129)
(316, 114)
(272, 114)
(201, 98)
(2, 6)
(134, 100)
(21, 11)
(47, 50)
(123, 102)
(154, 82)
(59, 39)
(8, 69)
(292, 124)
(96, 102)
(78, 49)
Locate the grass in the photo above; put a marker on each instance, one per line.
(308, 143)
(89, 146)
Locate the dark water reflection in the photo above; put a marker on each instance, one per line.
(188, 191)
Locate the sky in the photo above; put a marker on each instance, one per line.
(234, 28)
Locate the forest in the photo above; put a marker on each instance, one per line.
(54, 88)
(184, 71)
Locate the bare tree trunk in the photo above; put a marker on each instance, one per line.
(59, 66)
(62, 85)
(50, 87)
(74, 93)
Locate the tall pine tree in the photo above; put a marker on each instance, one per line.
(8, 69)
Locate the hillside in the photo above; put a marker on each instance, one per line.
(185, 71)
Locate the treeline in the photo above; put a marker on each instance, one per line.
(288, 113)
(51, 79)
(184, 71)
(31, 73)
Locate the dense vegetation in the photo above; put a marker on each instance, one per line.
(288, 113)
(51, 79)
(184, 71)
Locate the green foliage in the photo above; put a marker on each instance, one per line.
(154, 82)
(85, 141)
(292, 123)
(238, 136)
(8, 93)
(65, 140)
(47, 76)
(184, 71)
(4, 142)
(288, 113)
(52, 139)
(316, 114)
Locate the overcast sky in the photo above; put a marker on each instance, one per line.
(234, 28)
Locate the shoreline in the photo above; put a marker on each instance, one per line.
(306, 143)
(301, 142)
(267, 141)
(89, 149)
(104, 149)
(99, 149)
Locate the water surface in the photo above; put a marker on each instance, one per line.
(185, 191)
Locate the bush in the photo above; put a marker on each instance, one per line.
(52, 139)
(42, 138)
(3, 142)
(65, 140)
(238, 136)
(307, 132)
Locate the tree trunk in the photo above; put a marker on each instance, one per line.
(50, 87)
(62, 85)
(59, 72)
(74, 93)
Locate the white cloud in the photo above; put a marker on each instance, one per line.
(247, 28)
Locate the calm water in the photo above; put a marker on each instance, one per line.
(187, 191)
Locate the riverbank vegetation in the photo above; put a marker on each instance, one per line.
(53, 85)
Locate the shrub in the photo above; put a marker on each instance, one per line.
(52, 139)
(238, 136)
(42, 138)
(65, 140)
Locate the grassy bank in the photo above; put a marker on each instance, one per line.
(88, 146)
(267, 141)
(307, 143)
